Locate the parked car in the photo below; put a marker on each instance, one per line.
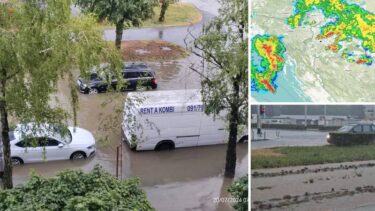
(47, 143)
(100, 80)
(352, 134)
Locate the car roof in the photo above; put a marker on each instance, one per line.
(128, 67)
(33, 130)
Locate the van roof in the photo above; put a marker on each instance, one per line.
(152, 98)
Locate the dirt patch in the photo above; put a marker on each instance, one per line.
(266, 153)
(151, 50)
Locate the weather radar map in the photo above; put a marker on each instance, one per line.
(313, 50)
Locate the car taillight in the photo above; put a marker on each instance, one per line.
(154, 81)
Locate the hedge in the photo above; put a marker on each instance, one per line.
(348, 139)
(239, 190)
(296, 127)
(76, 190)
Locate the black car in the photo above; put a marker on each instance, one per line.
(135, 75)
(352, 134)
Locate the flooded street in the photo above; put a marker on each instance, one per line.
(181, 179)
(283, 138)
(343, 186)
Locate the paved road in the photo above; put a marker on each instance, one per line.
(177, 35)
(276, 138)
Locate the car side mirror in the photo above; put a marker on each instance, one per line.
(61, 145)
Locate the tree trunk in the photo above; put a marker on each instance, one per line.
(119, 32)
(164, 7)
(230, 165)
(7, 176)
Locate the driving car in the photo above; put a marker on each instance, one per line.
(30, 143)
(357, 133)
(136, 74)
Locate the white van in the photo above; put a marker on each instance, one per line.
(170, 119)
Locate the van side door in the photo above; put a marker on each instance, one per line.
(212, 130)
(186, 130)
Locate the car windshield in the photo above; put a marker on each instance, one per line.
(346, 128)
(65, 134)
(68, 137)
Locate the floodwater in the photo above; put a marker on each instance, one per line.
(344, 186)
(181, 179)
(280, 138)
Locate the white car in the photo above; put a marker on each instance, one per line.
(47, 143)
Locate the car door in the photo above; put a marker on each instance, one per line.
(31, 149)
(144, 79)
(56, 150)
(131, 80)
(357, 129)
(366, 129)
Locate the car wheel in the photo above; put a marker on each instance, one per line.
(164, 146)
(78, 156)
(93, 91)
(244, 139)
(17, 161)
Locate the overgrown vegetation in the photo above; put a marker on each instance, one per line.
(239, 190)
(296, 156)
(76, 190)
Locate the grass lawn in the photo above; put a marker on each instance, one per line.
(296, 156)
(178, 14)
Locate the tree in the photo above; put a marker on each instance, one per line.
(76, 190)
(223, 46)
(122, 13)
(163, 10)
(40, 42)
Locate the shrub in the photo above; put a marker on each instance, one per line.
(76, 190)
(348, 139)
(239, 190)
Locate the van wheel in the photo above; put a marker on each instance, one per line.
(243, 139)
(164, 146)
(16, 161)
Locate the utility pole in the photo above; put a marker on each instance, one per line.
(325, 115)
(305, 116)
(259, 123)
